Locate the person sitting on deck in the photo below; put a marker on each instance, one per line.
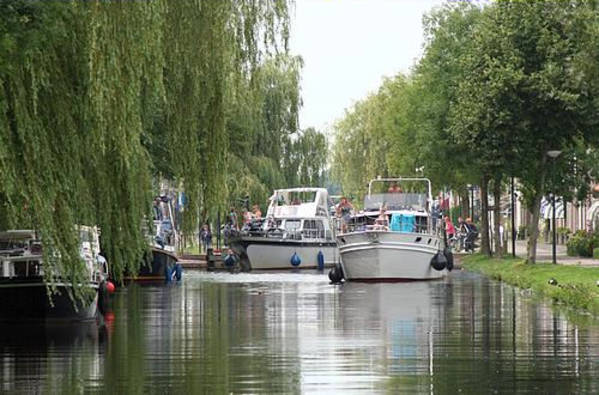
(382, 221)
(247, 217)
(256, 211)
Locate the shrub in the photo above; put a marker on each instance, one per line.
(562, 230)
(596, 253)
(582, 243)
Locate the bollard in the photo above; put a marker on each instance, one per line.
(210, 259)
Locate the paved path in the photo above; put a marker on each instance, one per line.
(544, 254)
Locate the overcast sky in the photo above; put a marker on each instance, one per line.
(348, 46)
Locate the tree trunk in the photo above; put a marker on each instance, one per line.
(535, 212)
(464, 203)
(497, 216)
(485, 248)
(533, 229)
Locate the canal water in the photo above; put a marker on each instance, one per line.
(294, 332)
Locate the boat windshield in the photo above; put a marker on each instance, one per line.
(295, 198)
(395, 201)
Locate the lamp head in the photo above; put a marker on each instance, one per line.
(553, 153)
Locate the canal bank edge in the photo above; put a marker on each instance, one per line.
(575, 286)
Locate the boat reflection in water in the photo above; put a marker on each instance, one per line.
(293, 333)
(51, 357)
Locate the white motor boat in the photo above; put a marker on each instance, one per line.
(399, 242)
(296, 233)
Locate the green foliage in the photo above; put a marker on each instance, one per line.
(562, 230)
(97, 97)
(266, 148)
(498, 86)
(582, 243)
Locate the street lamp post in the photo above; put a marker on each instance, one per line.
(513, 220)
(471, 200)
(553, 155)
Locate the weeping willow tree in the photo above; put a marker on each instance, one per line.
(96, 97)
(263, 124)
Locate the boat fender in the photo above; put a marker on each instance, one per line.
(178, 271)
(320, 259)
(295, 260)
(449, 256)
(336, 274)
(439, 262)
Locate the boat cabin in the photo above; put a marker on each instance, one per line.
(298, 203)
(405, 211)
(295, 214)
(21, 253)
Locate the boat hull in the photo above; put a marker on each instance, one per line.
(388, 256)
(158, 265)
(27, 299)
(272, 254)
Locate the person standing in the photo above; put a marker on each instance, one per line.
(344, 212)
(233, 219)
(449, 228)
(206, 237)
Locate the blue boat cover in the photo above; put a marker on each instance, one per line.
(402, 222)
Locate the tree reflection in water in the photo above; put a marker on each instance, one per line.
(293, 332)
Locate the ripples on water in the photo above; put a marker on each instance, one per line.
(294, 332)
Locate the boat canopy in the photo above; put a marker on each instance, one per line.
(13, 235)
(298, 202)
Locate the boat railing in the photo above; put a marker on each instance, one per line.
(314, 234)
(419, 224)
(259, 228)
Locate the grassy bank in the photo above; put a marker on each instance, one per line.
(576, 285)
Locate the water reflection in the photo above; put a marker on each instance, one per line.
(52, 358)
(286, 332)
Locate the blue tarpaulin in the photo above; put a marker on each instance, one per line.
(403, 222)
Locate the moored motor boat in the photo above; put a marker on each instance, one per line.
(296, 233)
(395, 238)
(160, 263)
(24, 287)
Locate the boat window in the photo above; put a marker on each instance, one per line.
(292, 225)
(297, 198)
(313, 228)
(21, 268)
